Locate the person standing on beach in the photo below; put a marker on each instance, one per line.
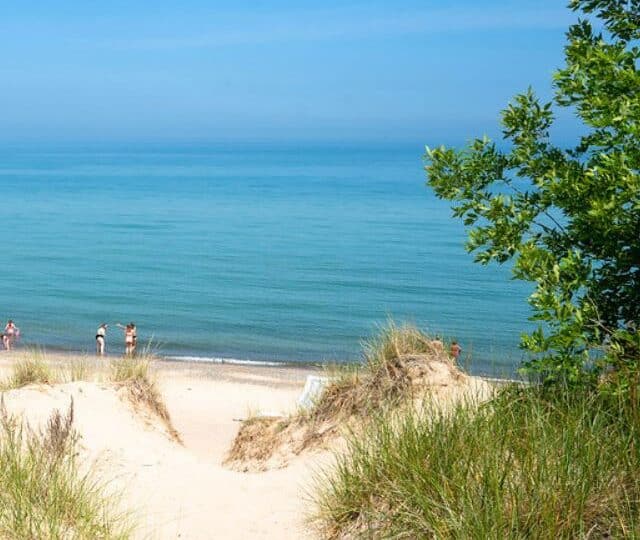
(455, 350)
(101, 336)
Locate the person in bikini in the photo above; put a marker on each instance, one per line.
(10, 334)
(130, 338)
(101, 336)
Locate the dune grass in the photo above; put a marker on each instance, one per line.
(385, 376)
(78, 370)
(133, 373)
(524, 465)
(390, 374)
(393, 341)
(44, 493)
(142, 387)
(33, 369)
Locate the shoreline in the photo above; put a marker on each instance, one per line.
(286, 370)
(186, 357)
(275, 376)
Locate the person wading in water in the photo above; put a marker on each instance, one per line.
(101, 337)
(11, 333)
(130, 338)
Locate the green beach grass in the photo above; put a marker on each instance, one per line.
(523, 465)
(44, 491)
(33, 369)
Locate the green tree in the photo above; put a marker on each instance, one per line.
(569, 219)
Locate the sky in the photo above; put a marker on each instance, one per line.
(399, 70)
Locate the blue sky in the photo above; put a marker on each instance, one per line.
(271, 71)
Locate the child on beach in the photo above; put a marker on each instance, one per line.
(101, 336)
(455, 350)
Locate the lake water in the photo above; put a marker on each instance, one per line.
(249, 252)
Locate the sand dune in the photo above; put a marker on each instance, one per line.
(183, 491)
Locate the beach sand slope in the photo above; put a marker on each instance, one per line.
(183, 491)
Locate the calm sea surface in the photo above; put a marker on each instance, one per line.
(249, 253)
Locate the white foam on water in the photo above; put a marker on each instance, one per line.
(218, 360)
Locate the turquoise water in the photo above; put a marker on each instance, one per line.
(250, 253)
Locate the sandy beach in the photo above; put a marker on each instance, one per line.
(184, 491)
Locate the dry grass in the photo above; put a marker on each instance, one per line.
(271, 442)
(396, 367)
(253, 442)
(399, 364)
(135, 375)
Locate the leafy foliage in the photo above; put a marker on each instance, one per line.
(568, 219)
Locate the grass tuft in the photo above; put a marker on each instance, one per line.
(254, 443)
(31, 370)
(522, 465)
(45, 494)
(78, 370)
(135, 375)
(396, 365)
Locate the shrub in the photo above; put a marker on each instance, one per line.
(567, 218)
